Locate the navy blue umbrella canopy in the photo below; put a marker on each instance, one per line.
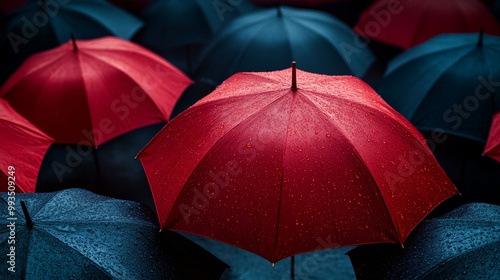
(270, 39)
(110, 170)
(462, 244)
(447, 83)
(177, 30)
(76, 234)
(42, 25)
(174, 23)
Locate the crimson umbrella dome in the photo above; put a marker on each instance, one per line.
(269, 169)
(94, 90)
(492, 148)
(268, 40)
(21, 152)
(407, 23)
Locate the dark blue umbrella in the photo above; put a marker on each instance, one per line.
(321, 264)
(110, 170)
(42, 25)
(477, 177)
(75, 234)
(463, 244)
(447, 84)
(177, 29)
(268, 40)
(191, 95)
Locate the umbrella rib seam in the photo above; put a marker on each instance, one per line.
(66, 245)
(450, 67)
(215, 144)
(276, 236)
(396, 230)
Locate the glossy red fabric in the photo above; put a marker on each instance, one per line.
(107, 87)
(492, 148)
(406, 23)
(280, 172)
(23, 147)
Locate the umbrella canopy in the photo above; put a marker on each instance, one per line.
(172, 23)
(109, 170)
(269, 168)
(447, 83)
(463, 244)
(191, 95)
(42, 25)
(477, 177)
(75, 234)
(21, 152)
(268, 40)
(177, 30)
(90, 91)
(407, 23)
(492, 148)
(320, 264)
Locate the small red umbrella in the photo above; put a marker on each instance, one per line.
(492, 148)
(90, 91)
(21, 152)
(407, 23)
(271, 169)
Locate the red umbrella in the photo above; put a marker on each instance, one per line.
(93, 90)
(271, 169)
(492, 148)
(407, 23)
(21, 152)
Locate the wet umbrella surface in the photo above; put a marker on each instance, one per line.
(268, 40)
(447, 84)
(270, 168)
(79, 235)
(463, 244)
(22, 147)
(90, 91)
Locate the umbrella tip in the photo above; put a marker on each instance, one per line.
(294, 76)
(402, 246)
(75, 47)
(480, 41)
(272, 265)
(27, 216)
